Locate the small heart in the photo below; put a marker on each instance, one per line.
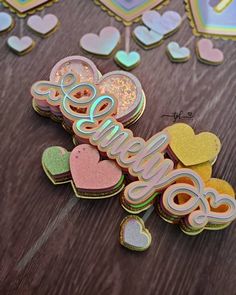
(192, 149)
(56, 162)
(129, 60)
(91, 174)
(147, 37)
(43, 25)
(163, 24)
(177, 53)
(20, 45)
(6, 22)
(104, 44)
(134, 235)
(207, 54)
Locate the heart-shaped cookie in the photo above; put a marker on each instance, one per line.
(129, 11)
(89, 174)
(147, 38)
(212, 19)
(206, 53)
(56, 164)
(6, 22)
(127, 60)
(24, 7)
(43, 25)
(192, 149)
(164, 24)
(177, 53)
(133, 234)
(22, 45)
(104, 44)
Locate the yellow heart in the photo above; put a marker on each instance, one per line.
(192, 149)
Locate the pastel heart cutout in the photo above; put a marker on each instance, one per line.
(177, 52)
(6, 21)
(43, 25)
(56, 160)
(104, 44)
(207, 52)
(192, 149)
(91, 174)
(134, 235)
(162, 24)
(127, 60)
(212, 19)
(128, 11)
(146, 36)
(20, 45)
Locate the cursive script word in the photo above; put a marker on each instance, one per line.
(142, 159)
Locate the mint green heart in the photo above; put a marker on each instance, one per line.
(178, 52)
(128, 60)
(56, 160)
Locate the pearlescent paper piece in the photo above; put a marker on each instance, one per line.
(207, 21)
(20, 46)
(43, 25)
(104, 44)
(134, 235)
(6, 22)
(24, 7)
(131, 10)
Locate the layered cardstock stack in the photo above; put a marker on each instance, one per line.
(172, 170)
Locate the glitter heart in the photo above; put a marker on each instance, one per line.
(89, 173)
(207, 54)
(134, 235)
(129, 60)
(24, 7)
(216, 20)
(163, 24)
(129, 11)
(6, 22)
(177, 53)
(192, 149)
(104, 44)
(43, 25)
(147, 37)
(20, 45)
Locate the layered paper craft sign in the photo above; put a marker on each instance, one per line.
(129, 11)
(213, 19)
(24, 7)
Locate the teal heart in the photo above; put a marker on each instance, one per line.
(127, 60)
(178, 53)
(56, 160)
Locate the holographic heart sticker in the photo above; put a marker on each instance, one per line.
(6, 22)
(177, 53)
(43, 25)
(20, 46)
(147, 38)
(129, 11)
(127, 60)
(104, 44)
(24, 7)
(210, 19)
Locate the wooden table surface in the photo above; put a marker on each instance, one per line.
(53, 243)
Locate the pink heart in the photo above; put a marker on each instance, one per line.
(91, 174)
(208, 53)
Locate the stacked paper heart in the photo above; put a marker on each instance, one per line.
(90, 177)
(156, 27)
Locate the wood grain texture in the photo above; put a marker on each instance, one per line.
(53, 245)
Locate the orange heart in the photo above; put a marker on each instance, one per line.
(192, 149)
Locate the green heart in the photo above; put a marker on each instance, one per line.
(127, 60)
(56, 160)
